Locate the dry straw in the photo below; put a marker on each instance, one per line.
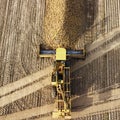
(64, 20)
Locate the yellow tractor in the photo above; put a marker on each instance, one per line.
(60, 79)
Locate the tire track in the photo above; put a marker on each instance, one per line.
(96, 108)
(49, 108)
(24, 81)
(101, 48)
(113, 102)
(28, 113)
(24, 92)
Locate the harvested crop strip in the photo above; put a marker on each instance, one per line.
(64, 21)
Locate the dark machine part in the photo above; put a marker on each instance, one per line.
(69, 53)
